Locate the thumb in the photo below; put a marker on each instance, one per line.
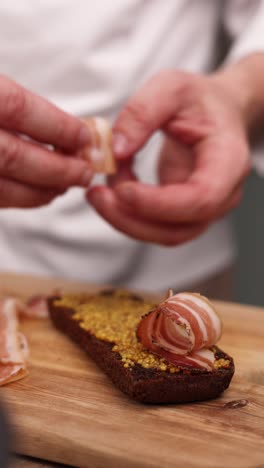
(147, 111)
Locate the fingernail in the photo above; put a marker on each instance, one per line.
(126, 193)
(120, 145)
(84, 136)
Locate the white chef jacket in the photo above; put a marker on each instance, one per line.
(88, 57)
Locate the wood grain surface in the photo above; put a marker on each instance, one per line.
(68, 411)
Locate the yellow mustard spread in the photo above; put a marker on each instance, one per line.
(114, 318)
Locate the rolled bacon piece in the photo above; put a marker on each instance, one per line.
(181, 329)
(13, 344)
(99, 152)
(36, 307)
(14, 350)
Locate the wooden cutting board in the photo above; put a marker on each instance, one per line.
(67, 411)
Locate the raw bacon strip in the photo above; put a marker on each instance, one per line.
(180, 328)
(36, 307)
(13, 344)
(10, 339)
(23, 346)
(202, 359)
(99, 152)
(201, 315)
(167, 331)
(11, 372)
(144, 331)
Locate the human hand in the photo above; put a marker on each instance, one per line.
(201, 168)
(31, 174)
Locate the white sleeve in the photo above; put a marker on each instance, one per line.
(244, 22)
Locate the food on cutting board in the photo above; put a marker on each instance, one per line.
(14, 350)
(99, 152)
(155, 353)
(13, 344)
(36, 307)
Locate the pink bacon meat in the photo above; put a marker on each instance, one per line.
(181, 329)
(36, 307)
(99, 152)
(13, 344)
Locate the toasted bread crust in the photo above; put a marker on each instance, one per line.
(144, 385)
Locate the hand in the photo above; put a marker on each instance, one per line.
(201, 168)
(31, 174)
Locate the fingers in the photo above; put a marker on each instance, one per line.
(168, 204)
(222, 162)
(167, 234)
(176, 162)
(108, 206)
(32, 164)
(16, 195)
(148, 110)
(124, 173)
(27, 113)
(230, 205)
(221, 166)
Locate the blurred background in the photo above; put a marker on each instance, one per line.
(249, 224)
(4, 438)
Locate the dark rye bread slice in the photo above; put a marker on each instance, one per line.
(142, 384)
